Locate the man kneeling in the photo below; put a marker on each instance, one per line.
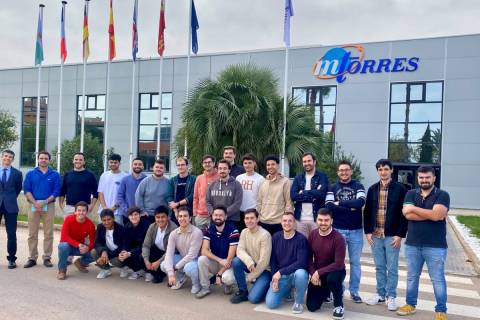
(73, 240)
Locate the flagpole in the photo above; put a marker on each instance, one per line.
(189, 26)
(132, 111)
(84, 102)
(37, 127)
(60, 100)
(159, 106)
(107, 104)
(285, 97)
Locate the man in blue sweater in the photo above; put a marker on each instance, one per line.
(346, 199)
(128, 187)
(289, 263)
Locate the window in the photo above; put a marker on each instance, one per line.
(148, 128)
(323, 100)
(94, 115)
(416, 122)
(29, 120)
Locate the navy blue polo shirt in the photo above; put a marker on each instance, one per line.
(427, 233)
(220, 242)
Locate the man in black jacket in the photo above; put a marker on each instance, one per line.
(385, 226)
(109, 242)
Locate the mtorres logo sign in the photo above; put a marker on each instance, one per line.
(349, 59)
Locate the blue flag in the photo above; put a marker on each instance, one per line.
(286, 25)
(194, 27)
(135, 32)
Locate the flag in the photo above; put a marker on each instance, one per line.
(39, 43)
(111, 35)
(161, 29)
(86, 46)
(286, 25)
(194, 27)
(63, 41)
(135, 33)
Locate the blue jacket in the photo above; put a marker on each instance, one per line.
(41, 185)
(188, 189)
(10, 191)
(316, 195)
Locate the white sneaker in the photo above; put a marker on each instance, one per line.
(133, 276)
(104, 274)
(195, 289)
(124, 272)
(141, 273)
(391, 304)
(148, 277)
(179, 283)
(375, 299)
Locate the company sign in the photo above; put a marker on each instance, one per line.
(350, 59)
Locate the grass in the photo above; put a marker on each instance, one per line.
(56, 220)
(472, 223)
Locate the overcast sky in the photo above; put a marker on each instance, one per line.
(227, 25)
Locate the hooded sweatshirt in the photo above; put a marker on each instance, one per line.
(228, 194)
(274, 199)
(200, 193)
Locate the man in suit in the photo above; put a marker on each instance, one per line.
(10, 187)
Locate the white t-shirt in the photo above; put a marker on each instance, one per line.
(250, 186)
(159, 239)
(108, 185)
(109, 240)
(307, 208)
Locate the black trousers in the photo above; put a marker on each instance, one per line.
(11, 228)
(330, 282)
(271, 228)
(156, 254)
(135, 261)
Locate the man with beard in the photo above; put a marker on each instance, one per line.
(229, 154)
(78, 185)
(182, 186)
(426, 210)
(153, 191)
(219, 247)
(201, 217)
(326, 265)
(128, 187)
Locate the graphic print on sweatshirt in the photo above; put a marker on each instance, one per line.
(345, 193)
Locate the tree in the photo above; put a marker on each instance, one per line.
(93, 151)
(328, 163)
(8, 129)
(426, 148)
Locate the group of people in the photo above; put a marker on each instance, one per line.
(271, 239)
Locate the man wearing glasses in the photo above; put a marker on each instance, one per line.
(181, 187)
(200, 211)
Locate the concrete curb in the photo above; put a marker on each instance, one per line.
(470, 254)
(23, 224)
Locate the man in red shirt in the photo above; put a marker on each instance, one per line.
(77, 239)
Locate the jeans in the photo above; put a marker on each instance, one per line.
(354, 240)
(435, 259)
(65, 250)
(11, 228)
(190, 269)
(260, 286)
(386, 266)
(297, 280)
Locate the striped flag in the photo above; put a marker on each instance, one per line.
(135, 32)
(39, 43)
(63, 40)
(161, 29)
(286, 25)
(194, 27)
(111, 35)
(86, 46)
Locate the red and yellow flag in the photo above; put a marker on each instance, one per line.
(111, 35)
(161, 29)
(86, 46)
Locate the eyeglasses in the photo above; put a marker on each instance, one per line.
(344, 170)
(207, 162)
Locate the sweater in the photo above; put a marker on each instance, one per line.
(236, 170)
(228, 194)
(289, 255)
(347, 215)
(274, 199)
(135, 235)
(187, 244)
(327, 252)
(152, 234)
(151, 193)
(200, 194)
(75, 233)
(42, 185)
(255, 248)
(79, 186)
(126, 192)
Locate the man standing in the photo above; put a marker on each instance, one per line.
(225, 192)
(426, 210)
(229, 154)
(253, 256)
(41, 187)
(308, 193)
(186, 240)
(346, 199)
(10, 187)
(326, 265)
(200, 212)
(77, 239)
(182, 186)
(108, 187)
(289, 263)
(250, 181)
(128, 187)
(273, 197)
(219, 246)
(385, 226)
(78, 185)
(153, 191)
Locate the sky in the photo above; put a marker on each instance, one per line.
(226, 25)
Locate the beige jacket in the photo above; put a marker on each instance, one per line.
(255, 249)
(274, 199)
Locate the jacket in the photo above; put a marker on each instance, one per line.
(189, 187)
(316, 195)
(11, 190)
(152, 234)
(118, 239)
(134, 236)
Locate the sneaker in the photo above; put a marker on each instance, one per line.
(338, 313)
(124, 272)
(179, 284)
(203, 293)
(105, 273)
(239, 296)
(78, 264)
(148, 277)
(376, 299)
(157, 279)
(406, 310)
(297, 308)
(133, 276)
(328, 299)
(62, 274)
(141, 273)
(355, 298)
(391, 304)
(228, 290)
(440, 316)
